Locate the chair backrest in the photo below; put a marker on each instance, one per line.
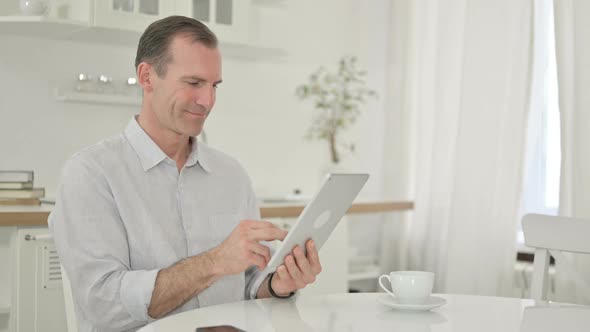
(550, 235)
(69, 302)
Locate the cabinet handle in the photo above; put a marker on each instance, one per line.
(41, 237)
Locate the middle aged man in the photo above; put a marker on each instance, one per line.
(152, 222)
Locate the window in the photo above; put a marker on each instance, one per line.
(543, 160)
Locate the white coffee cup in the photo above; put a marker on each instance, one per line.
(409, 287)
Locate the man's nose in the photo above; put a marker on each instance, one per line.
(206, 97)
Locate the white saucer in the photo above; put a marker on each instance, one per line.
(431, 303)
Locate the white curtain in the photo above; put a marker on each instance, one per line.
(572, 34)
(470, 105)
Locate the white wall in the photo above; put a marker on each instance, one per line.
(257, 118)
(36, 131)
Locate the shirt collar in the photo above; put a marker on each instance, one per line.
(199, 154)
(150, 154)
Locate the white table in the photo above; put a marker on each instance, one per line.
(362, 312)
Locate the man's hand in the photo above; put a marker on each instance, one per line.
(177, 284)
(242, 249)
(297, 270)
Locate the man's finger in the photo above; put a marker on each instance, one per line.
(284, 278)
(303, 264)
(284, 274)
(257, 224)
(267, 234)
(255, 259)
(313, 257)
(261, 250)
(294, 272)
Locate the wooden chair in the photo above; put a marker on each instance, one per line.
(550, 236)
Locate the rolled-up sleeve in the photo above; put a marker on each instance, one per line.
(91, 241)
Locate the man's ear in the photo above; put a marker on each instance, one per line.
(145, 75)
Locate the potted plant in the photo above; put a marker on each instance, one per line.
(337, 97)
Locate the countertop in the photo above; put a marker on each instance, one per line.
(24, 215)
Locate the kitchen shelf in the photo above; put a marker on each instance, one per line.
(39, 26)
(60, 29)
(96, 98)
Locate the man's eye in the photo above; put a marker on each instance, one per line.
(195, 83)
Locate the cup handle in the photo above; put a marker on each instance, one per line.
(382, 286)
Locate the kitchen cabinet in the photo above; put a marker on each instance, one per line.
(37, 288)
(130, 15)
(31, 295)
(121, 22)
(229, 19)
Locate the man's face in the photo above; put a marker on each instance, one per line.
(183, 98)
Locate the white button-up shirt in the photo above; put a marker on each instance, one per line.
(123, 212)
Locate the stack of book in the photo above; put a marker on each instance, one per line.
(16, 188)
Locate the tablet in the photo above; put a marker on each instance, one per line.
(321, 215)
